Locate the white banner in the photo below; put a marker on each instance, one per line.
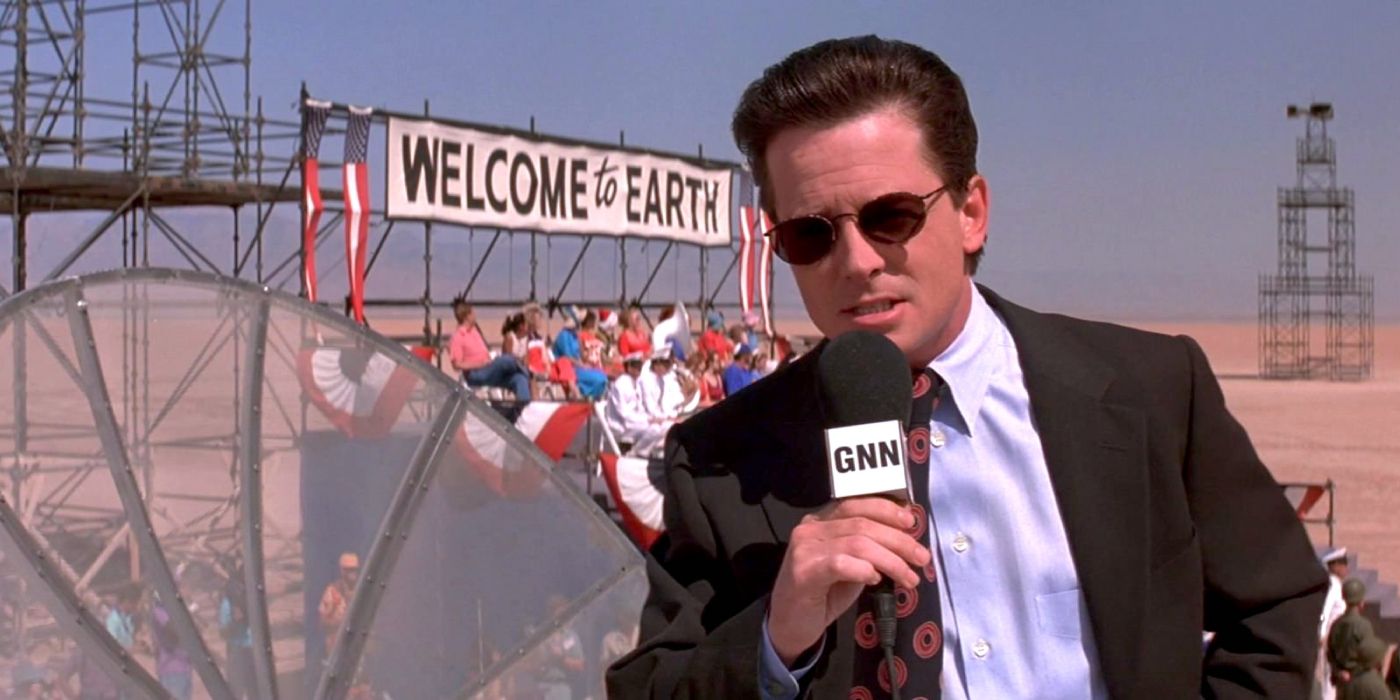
(472, 177)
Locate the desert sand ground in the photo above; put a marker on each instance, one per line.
(1348, 432)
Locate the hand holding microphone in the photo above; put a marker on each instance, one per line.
(863, 536)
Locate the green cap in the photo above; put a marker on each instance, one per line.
(1353, 591)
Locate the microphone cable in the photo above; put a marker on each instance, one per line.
(885, 626)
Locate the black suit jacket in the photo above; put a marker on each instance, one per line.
(1174, 526)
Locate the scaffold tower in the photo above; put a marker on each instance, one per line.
(1316, 279)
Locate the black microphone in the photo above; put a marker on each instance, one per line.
(865, 391)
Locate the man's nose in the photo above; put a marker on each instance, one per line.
(853, 254)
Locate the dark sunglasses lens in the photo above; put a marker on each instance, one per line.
(893, 218)
(804, 240)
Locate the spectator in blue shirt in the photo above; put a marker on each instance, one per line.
(592, 382)
(740, 372)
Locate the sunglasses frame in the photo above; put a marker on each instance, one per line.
(928, 200)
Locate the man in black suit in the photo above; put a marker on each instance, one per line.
(1094, 506)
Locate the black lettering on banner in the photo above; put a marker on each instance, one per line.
(420, 160)
(694, 184)
(473, 201)
(889, 453)
(450, 173)
(522, 160)
(865, 457)
(675, 190)
(604, 191)
(497, 156)
(551, 198)
(844, 463)
(653, 204)
(712, 208)
(578, 168)
(633, 172)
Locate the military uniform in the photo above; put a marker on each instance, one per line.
(1366, 683)
(1344, 641)
(1347, 634)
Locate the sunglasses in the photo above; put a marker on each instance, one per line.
(893, 218)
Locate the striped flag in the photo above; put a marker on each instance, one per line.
(1303, 497)
(765, 273)
(360, 391)
(313, 126)
(746, 241)
(551, 425)
(639, 501)
(747, 219)
(356, 182)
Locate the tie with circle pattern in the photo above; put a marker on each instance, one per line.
(919, 641)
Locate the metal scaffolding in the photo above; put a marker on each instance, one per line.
(1296, 294)
(187, 134)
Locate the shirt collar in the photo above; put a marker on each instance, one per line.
(967, 366)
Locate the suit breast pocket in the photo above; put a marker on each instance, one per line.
(1061, 614)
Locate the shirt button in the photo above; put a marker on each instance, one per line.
(961, 543)
(937, 438)
(981, 649)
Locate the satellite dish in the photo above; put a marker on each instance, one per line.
(287, 502)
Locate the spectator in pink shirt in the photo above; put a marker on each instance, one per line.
(471, 358)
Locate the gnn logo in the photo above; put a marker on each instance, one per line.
(867, 459)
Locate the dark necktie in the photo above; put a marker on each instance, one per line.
(919, 642)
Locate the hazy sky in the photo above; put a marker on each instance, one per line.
(1133, 148)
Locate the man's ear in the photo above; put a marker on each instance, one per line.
(973, 215)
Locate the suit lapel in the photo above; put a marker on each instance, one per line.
(1096, 455)
(799, 483)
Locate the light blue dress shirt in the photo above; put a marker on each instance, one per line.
(1015, 623)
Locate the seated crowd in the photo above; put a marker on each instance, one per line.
(648, 376)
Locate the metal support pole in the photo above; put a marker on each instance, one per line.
(733, 262)
(480, 264)
(427, 282)
(369, 267)
(95, 386)
(250, 456)
(559, 295)
(655, 269)
(72, 257)
(622, 275)
(1331, 514)
(427, 265)
(20, 280)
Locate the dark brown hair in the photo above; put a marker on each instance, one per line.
(840, 79)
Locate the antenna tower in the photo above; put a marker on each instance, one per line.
(1318, 278)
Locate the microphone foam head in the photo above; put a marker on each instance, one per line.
(862, 377)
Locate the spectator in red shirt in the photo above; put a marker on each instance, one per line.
(471, 358)
(634, 337)
(713, 341)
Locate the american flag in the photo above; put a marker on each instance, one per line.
(747, 218)
(357, 205)
(765, 271)
(313, 127)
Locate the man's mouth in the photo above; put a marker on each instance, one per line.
(871, 307)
